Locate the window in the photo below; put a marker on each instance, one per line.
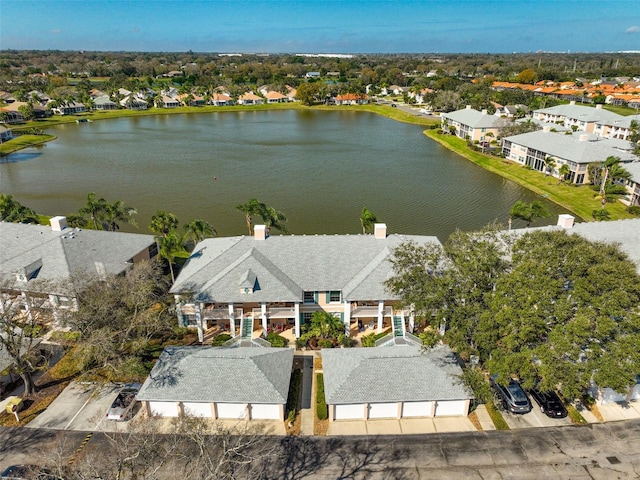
(309, 297)
(334, 296)
(306, 317)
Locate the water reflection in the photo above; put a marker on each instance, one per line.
(21, 156)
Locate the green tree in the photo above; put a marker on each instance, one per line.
(610, 181)
(528, 75)
(162, 223)
(117, 212)
(308, 93)
(563, 171)
(253, 208)
(367, 220)
(549, 164)
(27, 111)
(171, 247)
(95, 209)
(274, 219)
(13, 211)
(197, 230)
(634, 136)
(528, 211)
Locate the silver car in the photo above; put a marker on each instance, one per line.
(124, 404)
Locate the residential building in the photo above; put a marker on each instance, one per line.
(393, 382)
(577, 117)
(217, 382)
(252, 285)
(250, 98)
(576, 150)
(220, 99)
(351, 99)
(5, 134)
(104, 103)
(633, 185)
(41, 261)
(472, 125)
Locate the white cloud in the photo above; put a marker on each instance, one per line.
(634, 29)
(55, 31)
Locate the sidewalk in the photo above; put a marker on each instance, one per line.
(483, 417)
(307, 410)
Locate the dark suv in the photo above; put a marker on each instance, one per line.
(512, 396)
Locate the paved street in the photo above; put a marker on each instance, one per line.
(600, 451)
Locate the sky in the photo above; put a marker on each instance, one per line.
(329, 26)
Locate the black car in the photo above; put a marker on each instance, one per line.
(550, 403)
(512, 396)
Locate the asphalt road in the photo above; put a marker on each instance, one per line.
(599, 451)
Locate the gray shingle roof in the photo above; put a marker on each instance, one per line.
(216, 374)
(582, 113)
(634, 170)
(64, 254)
(474, 118)
(391, 374)
(571, 147)
(286, 266)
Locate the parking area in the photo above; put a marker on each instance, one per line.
(81, 407)
(535, 418)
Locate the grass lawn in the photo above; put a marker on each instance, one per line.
(579, 200)
(23, 141)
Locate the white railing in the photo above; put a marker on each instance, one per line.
(413, 338)
(386, 339)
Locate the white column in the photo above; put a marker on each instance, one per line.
(347, 318)
(412, 319)
(199, 321)
(263, 316)
(296, 312)
(232, 320)
(380, 314)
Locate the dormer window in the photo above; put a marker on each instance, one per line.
(248, 282)
(30, 271)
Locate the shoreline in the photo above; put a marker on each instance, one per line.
(576, 200)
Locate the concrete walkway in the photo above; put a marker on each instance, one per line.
(483, 417)
(307, 410)
(403, 426)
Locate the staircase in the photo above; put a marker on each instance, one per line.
(398, 327)
(246, 328)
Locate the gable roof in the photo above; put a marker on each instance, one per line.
(286, 266)
(391, 374)
(217, 374)
(474, 118)
(63, 254)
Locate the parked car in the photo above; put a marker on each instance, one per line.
(125, 402)
(27, 472)
(550, 403)
(512, 396)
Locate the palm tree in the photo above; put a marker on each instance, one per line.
(172, 247)
(367, 219)
(117, 212)
(563, 171)
(197, 230)
(612, 179)
(528, 211)
(550, 164)
(95, 209)
(162, 223)
(251, 209)
(13, 211)
(274, 218)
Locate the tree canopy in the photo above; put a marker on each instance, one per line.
(547, 307)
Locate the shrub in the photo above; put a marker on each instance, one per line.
(325, 343)
(496, 417)
(276, 340)
(294, 394)
(322, 411)
(220, 339)
(346, 341)
(474, 379)
(634, 209)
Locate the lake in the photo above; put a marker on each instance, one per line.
(320, 168)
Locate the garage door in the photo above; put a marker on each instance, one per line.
(383, 410)
(231, 410)
(198, 409)
(164, 409)
(349, 412)
(416, 409)
(450, 408)
(265, 411)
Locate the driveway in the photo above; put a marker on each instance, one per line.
(404, 426)
(535, 418)
(81, 406)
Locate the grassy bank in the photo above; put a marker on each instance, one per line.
(579, 200)
(24, 141)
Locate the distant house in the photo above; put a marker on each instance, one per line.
(471, 124)
(275, 97)
(40, 261)
(220, 100)
(168, 102)
(191, 101)
(70, 108)
(393, 382)
(132, 102)
(578, 117)
(104, 103)
(215, 382)
(312, 75)
(5, 134)
(250, 98)
(351, 99)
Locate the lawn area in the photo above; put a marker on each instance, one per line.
(579, 200)
(24, 141)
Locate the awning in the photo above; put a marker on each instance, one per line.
(368, 312)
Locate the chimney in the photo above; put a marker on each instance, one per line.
(380, 231)
(260, 232)
(484, 111)
(599, 106)
(468, 107)
(583, 137)
(546, 128)
(58, 223)
(565, 220)
(572, 102)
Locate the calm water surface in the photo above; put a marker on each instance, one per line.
(320, 168)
